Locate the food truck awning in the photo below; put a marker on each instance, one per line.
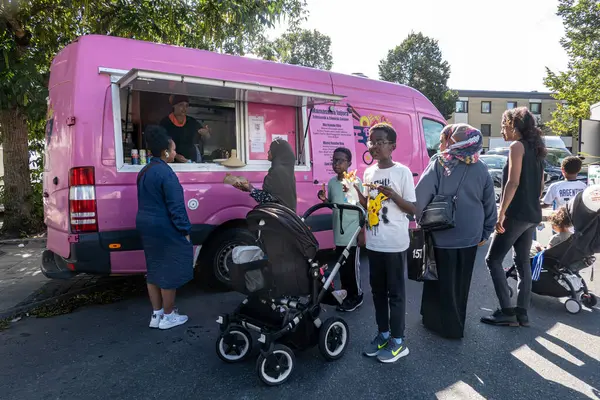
(161, 82)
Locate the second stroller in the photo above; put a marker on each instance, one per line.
(560, 266)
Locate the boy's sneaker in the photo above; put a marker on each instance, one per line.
(155, 320)
(172, 320)
(393, 351)
(376, 346)
(501, 318)
(351, 304)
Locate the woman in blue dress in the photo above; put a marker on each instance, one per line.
(164, 227)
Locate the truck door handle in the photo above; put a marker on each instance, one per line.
(415, 174)
(46, 194)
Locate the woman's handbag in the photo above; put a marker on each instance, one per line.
(421, 257)
(439, 214)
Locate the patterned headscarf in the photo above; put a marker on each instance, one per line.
(464, 145)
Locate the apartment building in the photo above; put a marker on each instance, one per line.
(483, 109)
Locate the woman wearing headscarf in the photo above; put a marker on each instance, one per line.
(279, 185)
(456, 170)
(164, 228)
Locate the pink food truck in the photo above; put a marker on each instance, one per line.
(104, 91)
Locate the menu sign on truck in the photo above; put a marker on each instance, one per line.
(593, 175)
(330, 127)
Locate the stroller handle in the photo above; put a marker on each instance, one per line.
(335, 206)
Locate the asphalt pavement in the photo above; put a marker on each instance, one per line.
(102, 352)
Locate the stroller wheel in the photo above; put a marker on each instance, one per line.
(333, 338)
(589, 300)
(234, 345)
(573, 306)
(276, 367)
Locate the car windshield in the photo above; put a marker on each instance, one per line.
(494, 162)
(498, 152)
(555, 157)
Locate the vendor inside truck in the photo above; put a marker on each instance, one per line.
(187, 133)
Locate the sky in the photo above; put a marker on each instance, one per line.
(490, 44)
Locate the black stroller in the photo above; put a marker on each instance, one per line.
(285, 292)
(559, 276)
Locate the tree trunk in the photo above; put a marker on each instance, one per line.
(18, 206)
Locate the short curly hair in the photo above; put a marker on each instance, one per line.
(157, 139)
(560, 218)
(387, 128)
(572, 165)
(344, 150)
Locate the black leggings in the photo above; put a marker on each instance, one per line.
(518, 235)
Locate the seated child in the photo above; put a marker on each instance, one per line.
(561, 224)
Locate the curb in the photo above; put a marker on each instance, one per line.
(20, 310)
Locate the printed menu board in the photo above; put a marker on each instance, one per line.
(330, 127)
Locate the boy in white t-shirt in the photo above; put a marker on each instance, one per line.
(389, 197)
(559, 193)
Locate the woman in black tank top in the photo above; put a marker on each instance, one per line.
(520, 213)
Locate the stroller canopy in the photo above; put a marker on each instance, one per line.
(586, 223)
(276, 218)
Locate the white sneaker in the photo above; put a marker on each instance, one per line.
(172, 320)
(155, 320)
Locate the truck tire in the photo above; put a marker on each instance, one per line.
(215, 258)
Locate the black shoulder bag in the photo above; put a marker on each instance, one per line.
(439, 214)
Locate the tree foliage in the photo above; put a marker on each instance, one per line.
(417, 62)
(33, 31)
(299, 47)
(579, 85)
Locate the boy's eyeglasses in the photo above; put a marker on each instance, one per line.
(378, 143)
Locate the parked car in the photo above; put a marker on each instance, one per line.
(495, 164)
(552, 164)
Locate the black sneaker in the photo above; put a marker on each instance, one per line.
(351, 304)
(501, 318)
(522, 317)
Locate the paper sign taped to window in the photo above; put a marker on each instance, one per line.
(257, 147)
(280, 137)
(258, 133)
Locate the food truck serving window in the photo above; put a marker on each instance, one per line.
(208, 119)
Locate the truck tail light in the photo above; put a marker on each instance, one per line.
(82, 200)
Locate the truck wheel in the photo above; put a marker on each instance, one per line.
(216, 256)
